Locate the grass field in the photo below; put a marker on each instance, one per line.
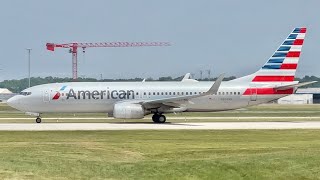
(272, 110)
(267, 154)
(182, 154)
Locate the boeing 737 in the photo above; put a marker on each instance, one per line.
(134, 100)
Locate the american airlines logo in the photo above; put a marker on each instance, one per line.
(102, 94)
(58, 94)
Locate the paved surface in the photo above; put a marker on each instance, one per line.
(170, 117)
(152, 126)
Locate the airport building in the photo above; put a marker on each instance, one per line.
(302, 96)
(5, 94)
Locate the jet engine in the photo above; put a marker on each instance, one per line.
(128, 111)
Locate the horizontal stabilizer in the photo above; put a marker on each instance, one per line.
(294, 85)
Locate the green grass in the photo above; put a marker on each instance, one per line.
(263, 154)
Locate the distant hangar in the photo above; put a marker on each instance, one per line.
(302, 96)
(5, 94)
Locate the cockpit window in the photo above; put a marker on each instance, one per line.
(25, 93)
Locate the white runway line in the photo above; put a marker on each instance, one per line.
(152, 126)
(168, 117)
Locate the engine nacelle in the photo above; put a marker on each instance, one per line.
(128, 111)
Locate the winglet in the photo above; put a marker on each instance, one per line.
(144, 80)
(215, 87)
(187, 76)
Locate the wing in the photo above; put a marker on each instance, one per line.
(179, 100)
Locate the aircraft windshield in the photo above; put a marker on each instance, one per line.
(25, 93)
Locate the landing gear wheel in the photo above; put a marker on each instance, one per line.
(162, 119)
(158, 118)
(38, 120)
(155, 118)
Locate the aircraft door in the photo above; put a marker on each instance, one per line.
(253, 96)
(46, 96)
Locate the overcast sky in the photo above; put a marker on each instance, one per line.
(235, 37)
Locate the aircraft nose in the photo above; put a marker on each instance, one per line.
(13, 102)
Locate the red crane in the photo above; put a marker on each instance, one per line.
(73, 47)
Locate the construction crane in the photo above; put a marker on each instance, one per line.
(73, 48)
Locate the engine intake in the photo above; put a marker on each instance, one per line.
(128, 111)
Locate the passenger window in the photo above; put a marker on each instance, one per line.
(226, 93)
(161, 93)
(222, 93)
(166, 93)
(145, 93)
(154, 93)
(190, 93)
(169, 93)
(187, 93)
(149, 93)
(178, 93)
(174, 93)
(158, 93)
(238, 93)
(181, 93)
(137, 93)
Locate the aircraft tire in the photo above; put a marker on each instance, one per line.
(162, 119)
(38, 120)
(155, 118)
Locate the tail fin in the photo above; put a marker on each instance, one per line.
(282, 65)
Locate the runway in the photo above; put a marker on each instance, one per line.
(175, 118)
(152, 126)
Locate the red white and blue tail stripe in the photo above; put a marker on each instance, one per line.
(282, 65)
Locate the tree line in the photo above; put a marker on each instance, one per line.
(21, 84)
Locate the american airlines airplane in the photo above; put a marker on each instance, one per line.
(134, 100)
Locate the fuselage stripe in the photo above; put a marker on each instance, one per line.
(266, 91)
(289, 66)
(272, 78)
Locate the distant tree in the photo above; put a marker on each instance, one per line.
(21, 84)
(169, 78)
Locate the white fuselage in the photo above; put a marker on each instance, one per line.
(102, 96)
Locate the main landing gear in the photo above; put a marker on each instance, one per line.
(159, 118)
(38, 120)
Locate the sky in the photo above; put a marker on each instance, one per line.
(225, 36)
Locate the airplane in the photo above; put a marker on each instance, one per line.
(134, 100)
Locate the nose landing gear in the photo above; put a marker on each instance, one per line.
(159, 118)
(38, 120)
